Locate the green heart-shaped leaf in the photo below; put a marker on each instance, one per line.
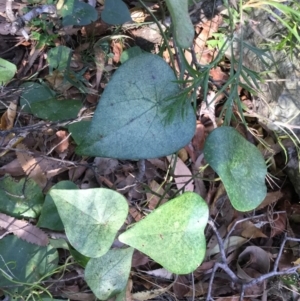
(240, 165)
(130, 120)
(91, 217)
(115, 12)
(173, 234)
(108, 275)
(75, 12)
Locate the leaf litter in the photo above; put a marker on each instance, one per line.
(49, 159)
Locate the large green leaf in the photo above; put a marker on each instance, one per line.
(56, 110)
(108, 275)
(183, 27)
(34, 92)
(7, 71)
(92, 217)
(50, 218)
(24, 262)
(173, 234)
(115, 12)
(75, 12)
(20, 199)
(40, 100)
(130, 120)
(240, 166)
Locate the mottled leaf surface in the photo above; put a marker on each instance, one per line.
(240, 165)
(91, 217)
(173, 234)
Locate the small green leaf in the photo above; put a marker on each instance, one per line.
(58, 58)
(130, 120)
(7, 71)
(75, 12)
(50, 218)
(20, 199)
(91, 217)
(130, 53)
(115, 12)
(183, 27)
(21, 261)
(107, 276)
(34, 92)
(240, 165)
(56, 110)
(173, 234)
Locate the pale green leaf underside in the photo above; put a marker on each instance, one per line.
(173, 235)
(91, 217)
(107, 276)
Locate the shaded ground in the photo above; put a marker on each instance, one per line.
(44, 151)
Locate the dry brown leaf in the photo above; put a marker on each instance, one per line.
(58, 82)
(271, 197)
(61, 143)
(117, 50)
(199, 137)
(183, 174)
(183, 154)
(218, 75)
(139, 259)
(138, 15)
(31, 166)
(8, 117)
(105, 166)
(255, 258)
(152, 294)
(250, 231)
(158, 163)
(153, 199)
(100, 59)
(135, 214)
(23, 230)
(181, 286)
(278, 224)
(232, 298)
(13, 168)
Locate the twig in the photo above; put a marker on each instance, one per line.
(232, 276)
(20, 22)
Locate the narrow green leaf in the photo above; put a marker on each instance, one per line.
(240, 165)
(107, 276)
(183, 27)
(173, 234)
(91, 217)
